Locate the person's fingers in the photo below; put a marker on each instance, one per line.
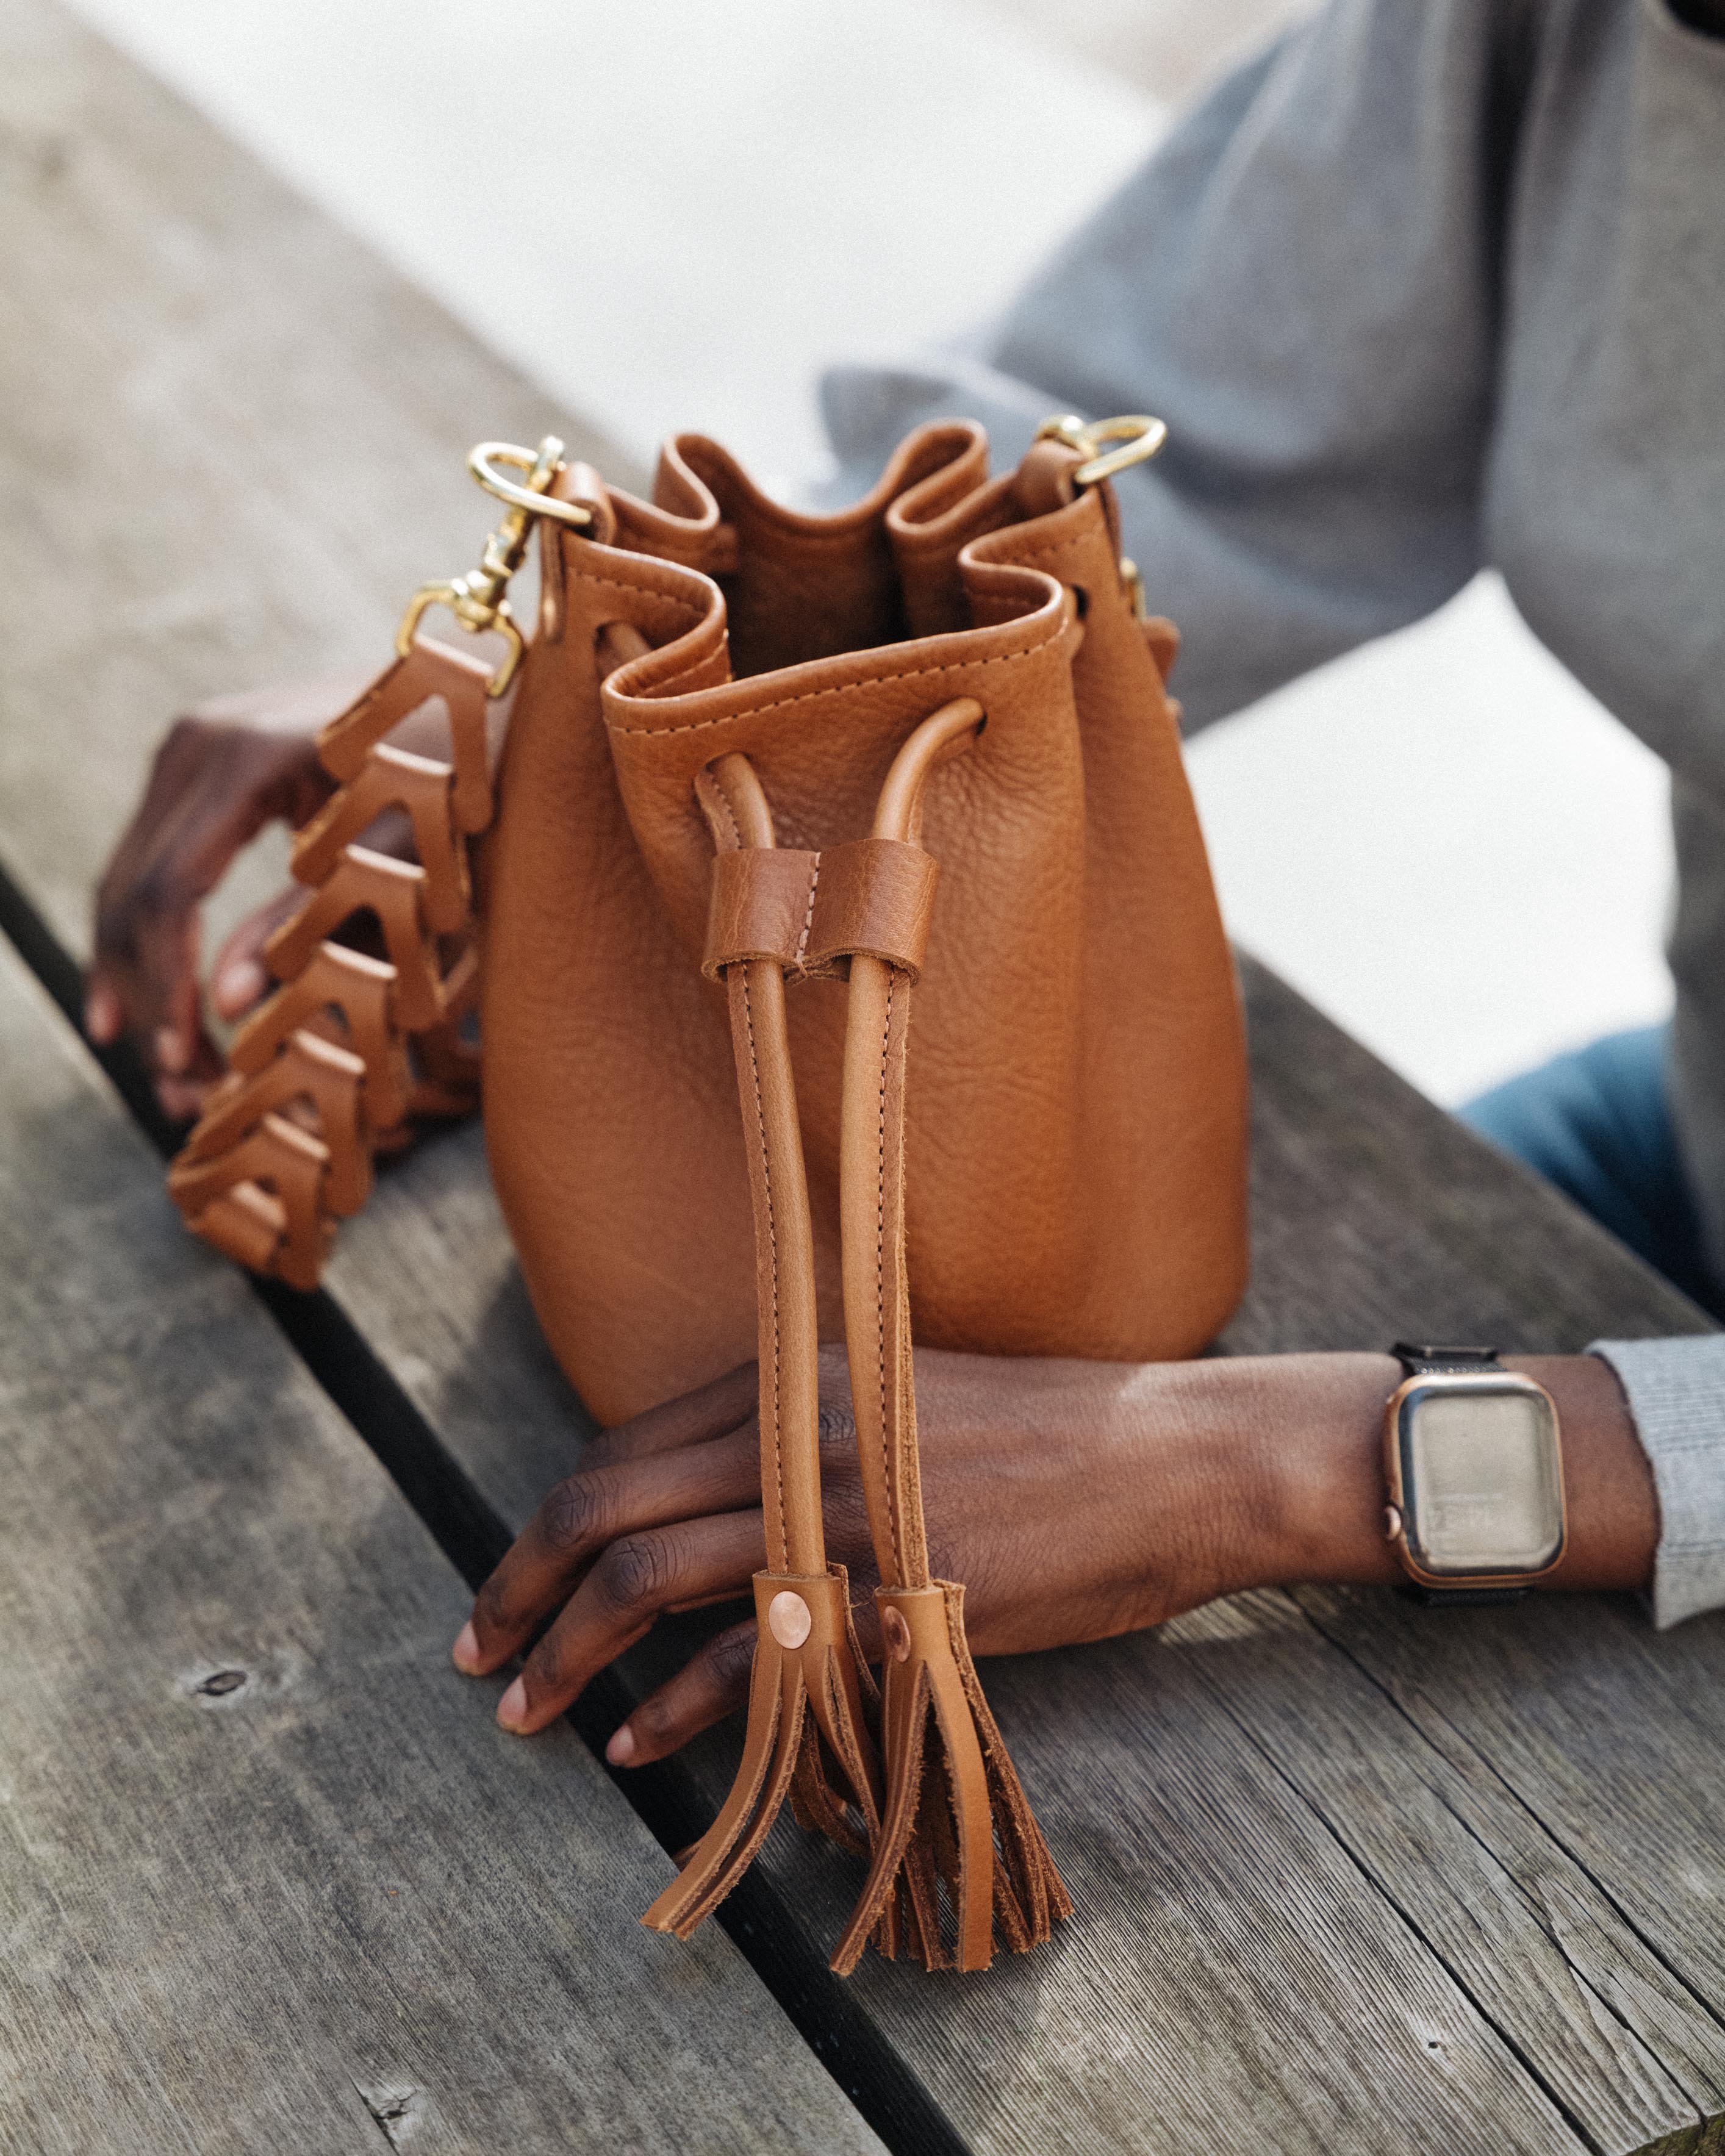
(583, 1514)
(632, 1583)
(214, 786)
(239, 978)
(182, 1097)
(710, 1411)
(714, 1684)
(103, 1015)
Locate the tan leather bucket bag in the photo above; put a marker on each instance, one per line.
(771, 783)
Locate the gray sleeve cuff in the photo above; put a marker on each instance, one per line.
(1676, 1390)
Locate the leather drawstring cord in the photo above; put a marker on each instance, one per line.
(953, 1815)
(806, 1690)
(951, 1791)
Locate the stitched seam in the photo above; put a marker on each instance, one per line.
(808, 915)
(730, 816)
(668, 687)
(748, 1024)
(840, 689)
(646, 591)
(880, 1276)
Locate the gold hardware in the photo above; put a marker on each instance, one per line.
(477, 600)
(1139, 437)
(789, 1618)
(542, 469)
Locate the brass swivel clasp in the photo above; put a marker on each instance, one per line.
(479, 600)
(1138, 438)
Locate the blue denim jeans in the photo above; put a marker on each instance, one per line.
(1597, 1124)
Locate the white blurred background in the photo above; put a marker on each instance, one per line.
(672, 213)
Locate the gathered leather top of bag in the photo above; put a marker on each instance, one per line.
(769, 782)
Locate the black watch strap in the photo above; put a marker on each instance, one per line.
(1428, 1362)
(1437, 1361)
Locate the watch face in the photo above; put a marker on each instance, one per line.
(1481, 1477)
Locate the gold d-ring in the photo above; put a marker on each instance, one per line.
(1139, 436)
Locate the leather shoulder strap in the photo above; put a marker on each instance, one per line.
(350, 1050)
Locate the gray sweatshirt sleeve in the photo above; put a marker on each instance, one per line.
(1676, 1390)
(1303, 281)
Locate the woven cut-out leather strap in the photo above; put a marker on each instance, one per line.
(351, 1049)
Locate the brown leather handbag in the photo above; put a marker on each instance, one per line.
(777, 777)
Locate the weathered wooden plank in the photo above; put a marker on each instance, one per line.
(1376, 1217)
(208, 426)
(1372, 1208)
(265, 1879)
(1244, 1956)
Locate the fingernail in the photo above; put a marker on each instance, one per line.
(466, 1651)
(512, 1707)
(101, 1016)
(172, 1052)
(622, 1748)
(241, 984)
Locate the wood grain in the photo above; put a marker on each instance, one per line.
(1315, 1913)
(217, 471)
(265, 1879)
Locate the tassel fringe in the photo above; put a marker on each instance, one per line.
(808, 1739)
(960, 1857)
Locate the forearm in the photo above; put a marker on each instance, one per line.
(1289, 1469)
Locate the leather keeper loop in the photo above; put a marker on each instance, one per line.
(875, 898)
(813, 913)
(760, 906)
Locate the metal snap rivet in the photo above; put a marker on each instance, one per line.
(789, 1619)
(896, 1633)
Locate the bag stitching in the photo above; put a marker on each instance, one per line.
(772, 1248)
(647, 591)
(879, 1274)
(807, 916)
(838, 688)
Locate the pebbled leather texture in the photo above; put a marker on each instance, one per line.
(769, 781)
(1076, 1139)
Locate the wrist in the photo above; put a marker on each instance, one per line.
(1320, 1421)
(1263, 1471)
(1613, 1524)
(1318, 1439)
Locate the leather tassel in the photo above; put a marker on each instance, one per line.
(960, 1857)
(960, 1853)
(807, 1714)
(807, 1737)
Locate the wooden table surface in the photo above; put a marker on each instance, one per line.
(1351, 1875)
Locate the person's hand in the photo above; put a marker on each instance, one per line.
(1074, 1499)
(222, 773)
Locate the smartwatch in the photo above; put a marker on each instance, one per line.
(1473, 1459)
